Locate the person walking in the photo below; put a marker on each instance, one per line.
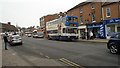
(5, 41)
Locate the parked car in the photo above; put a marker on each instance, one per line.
(114, 43)
(29, 35)
(38, 35)
(15, 39)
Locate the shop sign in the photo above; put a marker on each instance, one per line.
(116, 20)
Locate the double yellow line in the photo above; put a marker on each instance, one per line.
(70, 63)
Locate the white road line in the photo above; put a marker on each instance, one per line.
(70, 63)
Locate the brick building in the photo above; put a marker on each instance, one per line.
(47, 18)
(89, 17)
(7, 27)
(111, 17)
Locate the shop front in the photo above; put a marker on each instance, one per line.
(82, 31)
(111, 26)
(97, 29)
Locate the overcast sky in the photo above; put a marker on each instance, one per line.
(26, 13)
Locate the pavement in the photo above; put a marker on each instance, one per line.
(0, 52)
(94, 40)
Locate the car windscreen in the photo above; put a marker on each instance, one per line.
(40, 33)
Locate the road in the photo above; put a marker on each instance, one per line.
(80, 53)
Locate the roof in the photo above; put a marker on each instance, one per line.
(80, 4)
(9, 27)
(108, 3)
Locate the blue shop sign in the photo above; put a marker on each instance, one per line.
(93, 25)
(115, 20)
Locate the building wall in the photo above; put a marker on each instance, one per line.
(114, 10)
(74, 12)
(86, 14)
(111, 27)
(98, 11)
(45, 19)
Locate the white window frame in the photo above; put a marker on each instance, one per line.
(81, 10)
(107, 12)
(92, 18)
(81, 21)
(93, 6)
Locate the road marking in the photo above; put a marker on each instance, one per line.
(70, 63)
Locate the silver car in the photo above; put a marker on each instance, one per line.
(15, 39)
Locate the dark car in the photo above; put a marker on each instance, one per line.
(114, 43)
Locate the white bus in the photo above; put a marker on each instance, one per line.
(65, 28)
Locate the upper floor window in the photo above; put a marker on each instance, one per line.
(93, 17)
(81, 11)
(92, 6)
(107, 12)
(81, 19)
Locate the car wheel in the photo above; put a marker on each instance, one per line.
(114, 49)
(21, 43)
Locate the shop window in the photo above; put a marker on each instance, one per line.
(118, 29)
(110, 30)
(81, 20)
(107, 12)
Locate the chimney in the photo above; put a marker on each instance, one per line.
(9, 23)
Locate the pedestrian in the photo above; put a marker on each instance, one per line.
(91, 35)
(87, 35)
(5, 41)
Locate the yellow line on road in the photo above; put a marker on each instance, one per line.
(70, 63)
(66, 62)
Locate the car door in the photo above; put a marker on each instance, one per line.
(118, 40)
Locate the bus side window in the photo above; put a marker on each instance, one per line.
(69, 19)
